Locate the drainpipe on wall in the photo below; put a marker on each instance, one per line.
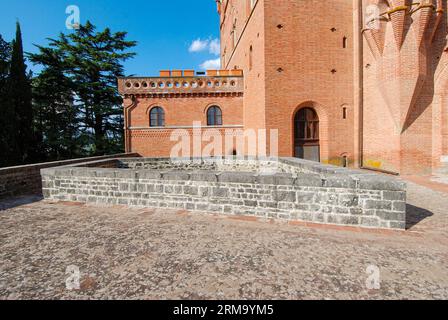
(127, 140)
(361, 94)
(360, 84)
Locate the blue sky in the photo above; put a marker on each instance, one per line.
(171, 34)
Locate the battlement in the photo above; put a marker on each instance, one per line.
(179, 82)
(191, 73)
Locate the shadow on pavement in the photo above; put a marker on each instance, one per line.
(11, 203)
(415, 215)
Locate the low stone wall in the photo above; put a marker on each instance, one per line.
(213, 164)
(236, 164)
(26, 180)
(300, 190)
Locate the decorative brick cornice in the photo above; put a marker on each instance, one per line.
(182, 86)
(184, 95)
(148, 133)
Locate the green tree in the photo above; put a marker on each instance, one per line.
(20, 97)
(55, 115)
(7, 139)
(90, 63)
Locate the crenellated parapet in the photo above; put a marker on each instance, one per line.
(180, 84)
(400, 35)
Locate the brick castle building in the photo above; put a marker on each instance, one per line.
(360, 83)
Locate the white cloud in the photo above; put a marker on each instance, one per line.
(214, 64)
(198, 45)
(215, 47)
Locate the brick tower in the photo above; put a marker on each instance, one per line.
(405, 124)
(348, 82)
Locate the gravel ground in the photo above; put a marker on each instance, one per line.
(127, 253)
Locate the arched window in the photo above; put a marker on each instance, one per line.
(157, 117)
(214, 116)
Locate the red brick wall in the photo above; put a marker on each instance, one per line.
(183, 111)
(300, 58)
(250, 32)
(307, 53)
(180, 113)
(403, 96)
(157, 143)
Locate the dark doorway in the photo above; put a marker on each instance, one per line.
(306, 135)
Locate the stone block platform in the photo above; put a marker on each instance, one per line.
(284, 189)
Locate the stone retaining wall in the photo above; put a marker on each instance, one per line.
(26, 180)
(329, 195)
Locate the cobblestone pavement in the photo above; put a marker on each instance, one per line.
(159, 254)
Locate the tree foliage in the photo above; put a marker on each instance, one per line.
(6, 112)
(72, 108)
(17, 140)
(82, 69)
(56, 118)
(20, 96)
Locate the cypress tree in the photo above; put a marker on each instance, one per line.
(20, 97)
(6, 112)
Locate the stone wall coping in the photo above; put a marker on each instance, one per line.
(332, 174)
(325, 176)
(52, 164)
(203, 159)
(27, 180)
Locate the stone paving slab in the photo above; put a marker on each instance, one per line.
(160, 254)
